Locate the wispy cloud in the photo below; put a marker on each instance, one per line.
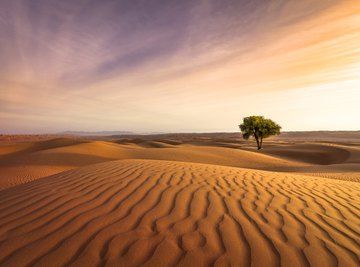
(149, 65)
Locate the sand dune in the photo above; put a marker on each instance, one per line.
(310, 153)
(23, 162)
(49, 157)
(166, 213)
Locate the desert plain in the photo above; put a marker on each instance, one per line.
(180, 200)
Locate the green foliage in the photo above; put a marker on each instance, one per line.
(258, 127)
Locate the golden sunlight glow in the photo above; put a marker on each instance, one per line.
(302, 71)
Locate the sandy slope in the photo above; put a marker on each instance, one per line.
(165, 213)
(24, 162)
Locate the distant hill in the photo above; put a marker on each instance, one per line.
(100, 133)
(298, 135)
(320, 135)
(236, 136)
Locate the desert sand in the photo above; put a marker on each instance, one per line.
(180, 201)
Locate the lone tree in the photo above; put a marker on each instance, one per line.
(259, 127)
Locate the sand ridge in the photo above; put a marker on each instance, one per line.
(24, 162)
(40, 159)
(166, 213)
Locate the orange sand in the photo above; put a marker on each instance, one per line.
(160, 204)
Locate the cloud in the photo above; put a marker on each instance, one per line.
(145, 64)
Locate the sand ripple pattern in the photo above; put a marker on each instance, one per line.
(163, 213)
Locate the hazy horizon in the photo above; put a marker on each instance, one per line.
(178, 66)
(157, 132)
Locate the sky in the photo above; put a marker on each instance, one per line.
(178, 66)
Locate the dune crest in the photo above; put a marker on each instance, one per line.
(24, 162)
(166, 213)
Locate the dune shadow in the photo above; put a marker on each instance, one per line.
(44, 145)
(309, 153)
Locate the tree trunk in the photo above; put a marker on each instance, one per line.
(257, 142)
(261, 139)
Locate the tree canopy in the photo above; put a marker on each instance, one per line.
(258, 127)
